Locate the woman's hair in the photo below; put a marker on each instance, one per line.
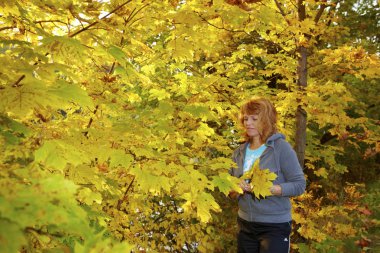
(267, 116)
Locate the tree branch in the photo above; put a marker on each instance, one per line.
(301, 10)
(330, 20)
(134, 21)
(327, 137)
(112, 68)
(221, 28)
(49, 21)
(96, 22)
(125, 194)
(320, 12)
(224, 95)
(7, 28)
(39, 231)
(133, 13)
(90, 121)
(280, 8)
(282, 11)
(17, 83)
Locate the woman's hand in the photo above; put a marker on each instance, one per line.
(246, 187)
(276, 190)
(233, 194)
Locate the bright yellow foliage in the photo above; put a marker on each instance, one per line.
(261, 180)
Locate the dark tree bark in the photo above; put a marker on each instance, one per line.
(301, 115)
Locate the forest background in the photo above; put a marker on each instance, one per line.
(118, 120)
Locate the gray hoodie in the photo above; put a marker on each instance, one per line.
(281, 159)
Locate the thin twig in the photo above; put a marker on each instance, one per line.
(221, 28)
(17, 83)
(120, 201)
(280, 8)
(112, 68)
(224, 95)
(129, 17)
(282, 11)
(91, 121)
(96, 22)
(39, 231)
(134, 14)
(134, 21)
(7, 28)
(49, 21)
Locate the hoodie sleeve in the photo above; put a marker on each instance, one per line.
(233, 157)
(295, 182)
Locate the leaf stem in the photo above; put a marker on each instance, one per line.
(90, 122)
(125, 194)
(221, 28)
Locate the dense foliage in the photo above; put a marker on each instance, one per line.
(118, 119)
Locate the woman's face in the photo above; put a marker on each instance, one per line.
(251, 125)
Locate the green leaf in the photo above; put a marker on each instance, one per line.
(226, 183)
(49, 155)
(192, 175)
(148, 182)
(88, 197)
(205, 130)
(204, 203)
(117, 53)
(159, 94)
(57, 154)
(70, 93)
(14, 126)
(64, 47)
(11, 237)
(198, 110)
(119, 157)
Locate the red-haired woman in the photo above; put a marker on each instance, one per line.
(265, 224)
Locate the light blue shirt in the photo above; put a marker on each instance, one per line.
(251, 155)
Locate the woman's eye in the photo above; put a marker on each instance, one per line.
(252, 118)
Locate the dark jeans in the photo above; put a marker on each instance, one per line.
(259, 237)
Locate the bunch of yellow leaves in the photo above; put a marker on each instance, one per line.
(261, 180)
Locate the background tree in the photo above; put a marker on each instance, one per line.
(118, 119)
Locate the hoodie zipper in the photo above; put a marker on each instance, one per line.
(242, 154)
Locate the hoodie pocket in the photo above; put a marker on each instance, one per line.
(272, 205)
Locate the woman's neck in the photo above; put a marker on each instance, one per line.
(255, 143)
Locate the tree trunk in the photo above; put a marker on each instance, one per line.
(300, 140)
(301, 116)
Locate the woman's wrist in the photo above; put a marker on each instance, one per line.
(276, 190)
(233, 195)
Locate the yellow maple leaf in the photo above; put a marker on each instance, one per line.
(203, 202)
(261, 180)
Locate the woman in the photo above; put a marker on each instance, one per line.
(265, 224)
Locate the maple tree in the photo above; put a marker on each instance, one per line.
(118, 119)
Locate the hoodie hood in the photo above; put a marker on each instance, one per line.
(270, 141)
(239, 154)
